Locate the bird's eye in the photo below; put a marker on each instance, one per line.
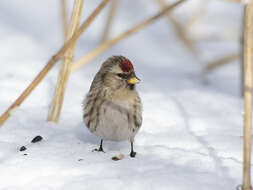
(123, 75)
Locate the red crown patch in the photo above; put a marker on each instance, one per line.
(126, 65)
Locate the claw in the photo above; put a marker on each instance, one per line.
(100, 147)
(98, 150)
(132, 154)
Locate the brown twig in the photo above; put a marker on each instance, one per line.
(248, 85)
(56, 104)
(104, 46)
(52, 62)
(109, 20)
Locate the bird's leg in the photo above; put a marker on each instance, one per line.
(132, 153)
(100, 147)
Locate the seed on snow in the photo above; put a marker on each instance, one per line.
(37, 139)
(22, 148)
(118, 157)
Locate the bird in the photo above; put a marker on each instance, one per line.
(112, 109)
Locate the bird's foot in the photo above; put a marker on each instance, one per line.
(132, 154)
(98, 150)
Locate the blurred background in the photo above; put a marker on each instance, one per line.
(190, 69)
(31, 32)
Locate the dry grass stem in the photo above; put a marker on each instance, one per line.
(64, 15)
(110, 17)
(52, 62)
(220, 62)
(179, 29)
(56, 104)
(248, 84)
(107, 44)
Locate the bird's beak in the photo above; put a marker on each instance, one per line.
(133, 80)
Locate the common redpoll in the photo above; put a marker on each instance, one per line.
(112, 110)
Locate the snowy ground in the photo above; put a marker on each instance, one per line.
(190, 137)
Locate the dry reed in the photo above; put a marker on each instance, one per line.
(52, 62)
(64, 16)
(56, 104)
(248, 84)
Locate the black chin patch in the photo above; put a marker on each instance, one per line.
(131, 86)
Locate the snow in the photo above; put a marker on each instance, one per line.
(192, 125)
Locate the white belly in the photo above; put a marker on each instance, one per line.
(114, 125)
